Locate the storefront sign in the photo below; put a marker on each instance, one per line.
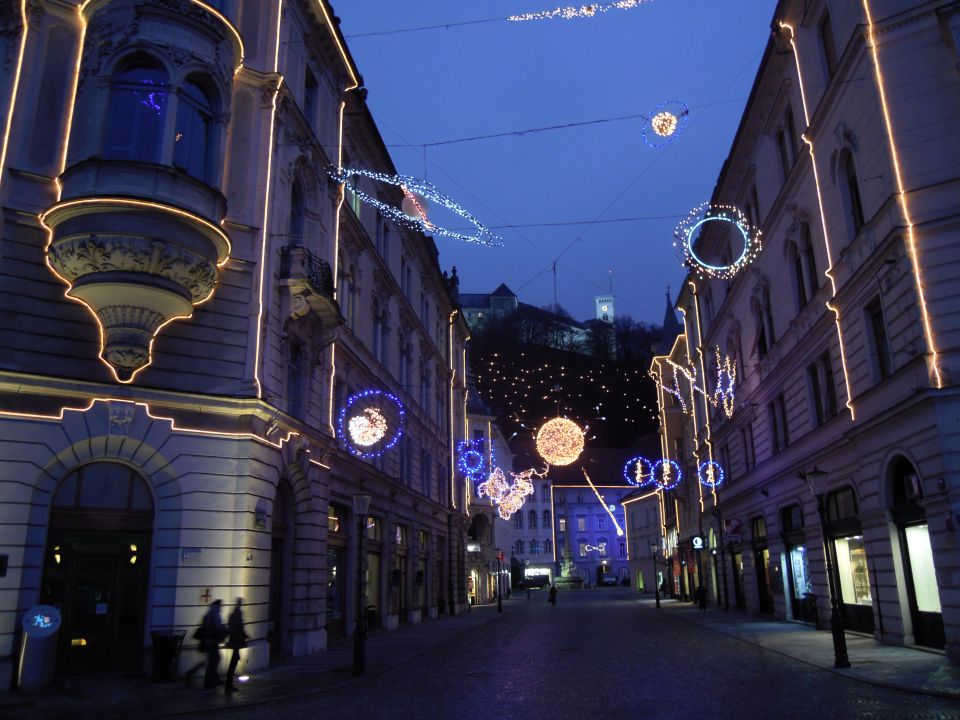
(697, 542)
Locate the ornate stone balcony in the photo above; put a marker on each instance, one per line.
(310, 282)
(137, 265)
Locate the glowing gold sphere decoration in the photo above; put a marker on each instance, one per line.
(367, 428)
(560, 441)
(664, 123)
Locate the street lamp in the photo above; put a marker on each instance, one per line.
(361, 506)
(656, 585)
(816, 480)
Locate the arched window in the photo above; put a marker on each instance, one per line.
(806, 248)
(850, 189)
(532, 522)
(796, 260)
(761, 342)
(548, 547)
(544, 493)
(546, 518)
(193, 137)
(295, 224)
(138, 104)
(104, 486)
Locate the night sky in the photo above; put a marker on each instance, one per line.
(496, 77)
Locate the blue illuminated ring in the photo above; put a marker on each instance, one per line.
(631, 477)
(686, 231)
(471, 460)
(717, 474)
(411, 185)
(372, 397)
(679, 110)
(703, 263)
(677, 474)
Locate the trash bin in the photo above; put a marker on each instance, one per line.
(166, 654)
(38, 654)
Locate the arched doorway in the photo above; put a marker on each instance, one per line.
(923, 595)
(96, 567)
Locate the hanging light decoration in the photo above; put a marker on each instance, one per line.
(494, 487)
(686, 236)
(572, 12)
(667, 474)
(371, 422)
(560, 441)
(710, 474)
(638, 471)
(665, 123)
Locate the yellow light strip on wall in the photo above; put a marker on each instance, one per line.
(230, 28)
(173, 424)
(453, 375)
(823, 219)
(693, 397)
(14, 90)
(902, 197)
(708, 440)
(264, 230)
(74, 84)
(553, 525)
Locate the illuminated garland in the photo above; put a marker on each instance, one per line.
(572, 12)
(665, 123)
(494, 487)
(710, 474)
(670, 472)
(519, 490)
(416, 193)
(633, 471)
(723, 394)
(470, 458)
(377, 422)
(560, 441)
(706, 213)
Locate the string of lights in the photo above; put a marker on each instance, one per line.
(710, 474)
(560, 441)
(722, 395)
(576, 12)
(415, 191)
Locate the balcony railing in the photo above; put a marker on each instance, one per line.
(298, 262)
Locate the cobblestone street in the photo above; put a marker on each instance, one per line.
(602, 653)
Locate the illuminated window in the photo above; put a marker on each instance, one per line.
(561, 524)
(582, 545)
(193, 138)
(581, 524)
(334, 518)
(534, 547)
(138, 104)
(374, 529)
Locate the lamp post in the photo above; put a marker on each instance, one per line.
(656, 584)
(816, 480)
(361, 506)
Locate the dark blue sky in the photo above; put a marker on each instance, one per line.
(495, 77)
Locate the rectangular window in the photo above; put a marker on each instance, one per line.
(426, 463)
(816, 395)
(310, 99)
(746, 441)
(878, 337)
(581, 524)
(534, 547)
(623, 550)
(725, 461)
(921, 568)
(829, 388)
(583, 548)
(601, 524)
(518, 521)
(786, 157)
(773, 424)
(519, 546)
(828, 45)
(678, 450)
(562, 524)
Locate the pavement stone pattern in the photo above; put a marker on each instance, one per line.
(604, 652)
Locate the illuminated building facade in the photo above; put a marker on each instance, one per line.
(188, 301)
(488, 534)
(842, 330)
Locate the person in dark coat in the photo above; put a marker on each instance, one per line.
(553, 595)
(213, 633)
(236, 639)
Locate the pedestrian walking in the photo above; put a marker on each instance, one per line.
(236, 639)
(212, 633)
(553, 595)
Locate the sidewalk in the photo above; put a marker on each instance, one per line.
(892, 666)
(116, 696)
